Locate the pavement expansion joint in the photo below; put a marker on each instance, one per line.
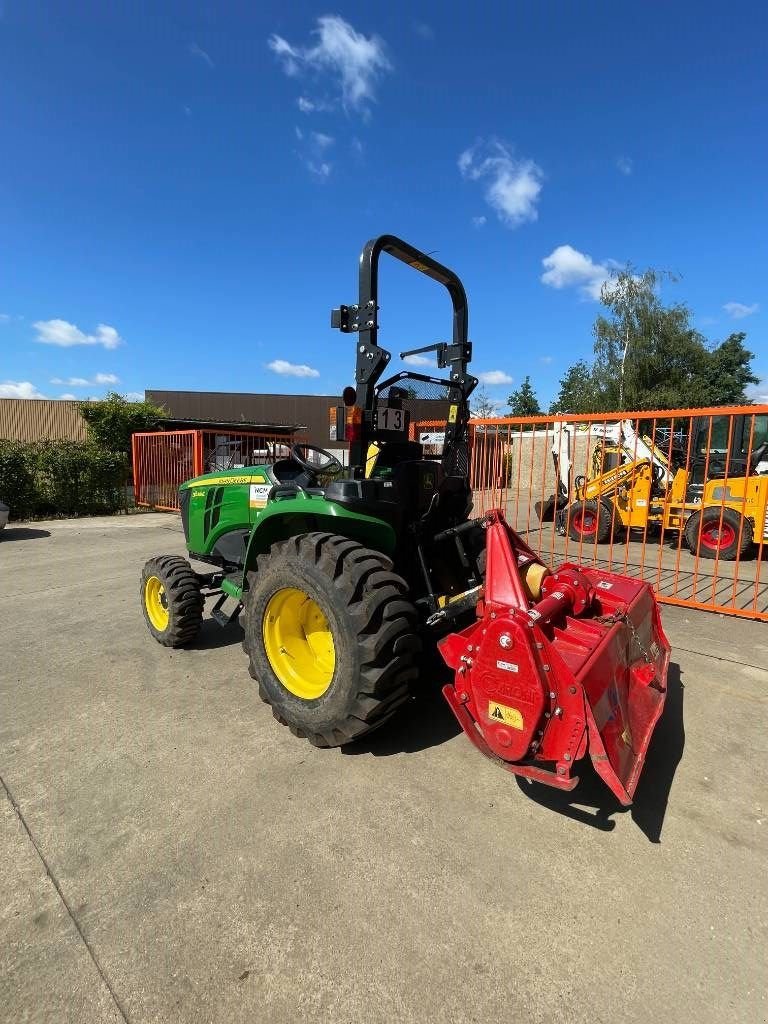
(55, 882)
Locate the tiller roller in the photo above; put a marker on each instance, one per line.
(558, 664)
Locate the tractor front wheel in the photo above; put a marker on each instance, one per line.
(331, 637)
(171, 600)
(719, 533)
(590, 521)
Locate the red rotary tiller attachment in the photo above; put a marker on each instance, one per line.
(548, 674)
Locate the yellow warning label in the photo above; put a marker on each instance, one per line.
(453, 413)
(501, 713)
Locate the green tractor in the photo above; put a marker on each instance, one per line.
(343, 579)
(334, 573)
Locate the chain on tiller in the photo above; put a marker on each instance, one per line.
(610, 620)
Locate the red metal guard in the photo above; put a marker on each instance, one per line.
(541, 683)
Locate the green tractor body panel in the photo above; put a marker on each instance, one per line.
(286, 517)
(217, 504)
(234, 516)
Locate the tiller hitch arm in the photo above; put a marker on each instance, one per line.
(558, 664)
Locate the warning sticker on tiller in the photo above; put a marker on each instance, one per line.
(502, 713)
(259, 494)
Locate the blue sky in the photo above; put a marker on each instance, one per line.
(184, 191)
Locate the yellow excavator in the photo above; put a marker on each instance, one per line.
(718, 500)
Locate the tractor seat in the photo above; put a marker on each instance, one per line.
(368, 497)
(289, 472)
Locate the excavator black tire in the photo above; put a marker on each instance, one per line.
(711, 536)
(331, 637)
(590, 521)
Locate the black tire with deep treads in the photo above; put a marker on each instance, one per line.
(602, 518)
(374, 627)
(185, 601)
(724, 519)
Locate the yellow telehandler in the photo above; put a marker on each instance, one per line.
(717, 500)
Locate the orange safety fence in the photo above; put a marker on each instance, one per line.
(164, 459)
(677, 497)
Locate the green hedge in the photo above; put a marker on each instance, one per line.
(61, 478)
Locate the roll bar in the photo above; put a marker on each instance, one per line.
(362, 319)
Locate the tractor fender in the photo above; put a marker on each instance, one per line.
(300, 512)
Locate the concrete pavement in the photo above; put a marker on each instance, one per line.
(169, 853)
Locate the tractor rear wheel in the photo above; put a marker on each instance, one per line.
(590, 521)
(171, 600)
(331, 637)
(719, 533)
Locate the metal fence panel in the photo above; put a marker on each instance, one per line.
(678, 498)
(161, 462)
(164, 459)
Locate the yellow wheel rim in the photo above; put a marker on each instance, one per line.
(156, 603)
(299, 643)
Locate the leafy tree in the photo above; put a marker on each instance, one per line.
(649, 356)
(523, 400)
(112, 420)
(729, 374)
(578, 390)
(482, 405)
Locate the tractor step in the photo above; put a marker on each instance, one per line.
(232, 585)
(221, 617)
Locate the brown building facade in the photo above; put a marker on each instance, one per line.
(310, 413)
(40, 419)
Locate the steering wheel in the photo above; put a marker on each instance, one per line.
(758, 455)
(331, 464)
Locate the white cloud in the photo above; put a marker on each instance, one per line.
(495, 377)
(479, 221)
(18, 389)
(546, 360)
(84, 382)
(320, 168)
(65, 334)
(4, 318)
(135, 396)
(513, 186)
(624, 164)
(420, 361)
(305, 106)
(292, 369)
(314, 152)
(738, 310)
(353, 61)
(197, 51)
(566, 267)
(421, 28)
(758, 393)
(67, 397)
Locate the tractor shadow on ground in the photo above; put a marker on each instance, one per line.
(23, 533)
(592, 803)
(213, 636)
(425, 721)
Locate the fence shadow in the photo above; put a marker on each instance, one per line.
(593, 804)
